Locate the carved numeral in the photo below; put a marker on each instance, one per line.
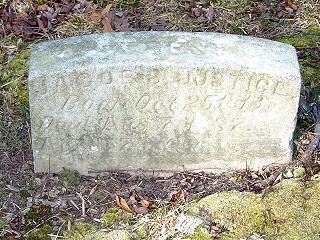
(143, 102)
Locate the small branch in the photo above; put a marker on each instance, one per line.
(54, 237)
(315, 142)
(83, 205)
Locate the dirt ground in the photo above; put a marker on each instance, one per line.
(30, 201)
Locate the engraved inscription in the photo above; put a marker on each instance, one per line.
(105, 77)
(83, 79)
(151, 113)
(143, 101)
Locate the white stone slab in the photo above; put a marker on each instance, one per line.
(162, 101)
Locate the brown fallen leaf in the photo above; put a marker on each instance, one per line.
(42, 24)
(106, 21)
(179, 196)
(211, 13)
(87, 4)
(152, 205)
(96, 17)
(216, 229)
(148, 204)
(196, 12)
(141, 210)
(145, 203)
(122, 203)
(132, 200)
(121, 24)
(106, 9)
(290, 4)
(307, 196)
(43, 7)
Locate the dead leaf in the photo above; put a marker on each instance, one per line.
(211, 13)
(153, 205)
(216, 229)
(196, 12)
(179, 196)
(290, 4)
(87, 4)
(145, 203)
(107, 24)
(306, 196)
(158, 27)
(106, 9)
(43, 7)
(122, 203)
(132, 199)
(141, 210)
(41, 24)
(104, 16)
(121, 22)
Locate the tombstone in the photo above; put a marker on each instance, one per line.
(162, 102)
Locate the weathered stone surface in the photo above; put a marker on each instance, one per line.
(162, 101)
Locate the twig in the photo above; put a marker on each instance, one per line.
(57, 235)
(315, 142)
(83, 205)
(53, 236)
(74, 204)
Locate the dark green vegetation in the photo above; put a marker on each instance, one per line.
(32, 205)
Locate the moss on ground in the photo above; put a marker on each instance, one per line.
(240, 212)
(293, 210)
(13, 78)
(201, 234)
(80, 230)
(89, 231)
(41, 233)
(113, 235)
(307, 45)
(289, 210)
(306, 40)
(114, 215)
(70, 177)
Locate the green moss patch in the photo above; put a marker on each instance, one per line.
(13, 78)
(306, 40)
(41, 233)
(293, 210)
(289, 210)
(110, 215)
(87, 231)
(80, 230)
(240, 213)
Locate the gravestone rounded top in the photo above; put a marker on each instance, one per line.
(167, 49)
